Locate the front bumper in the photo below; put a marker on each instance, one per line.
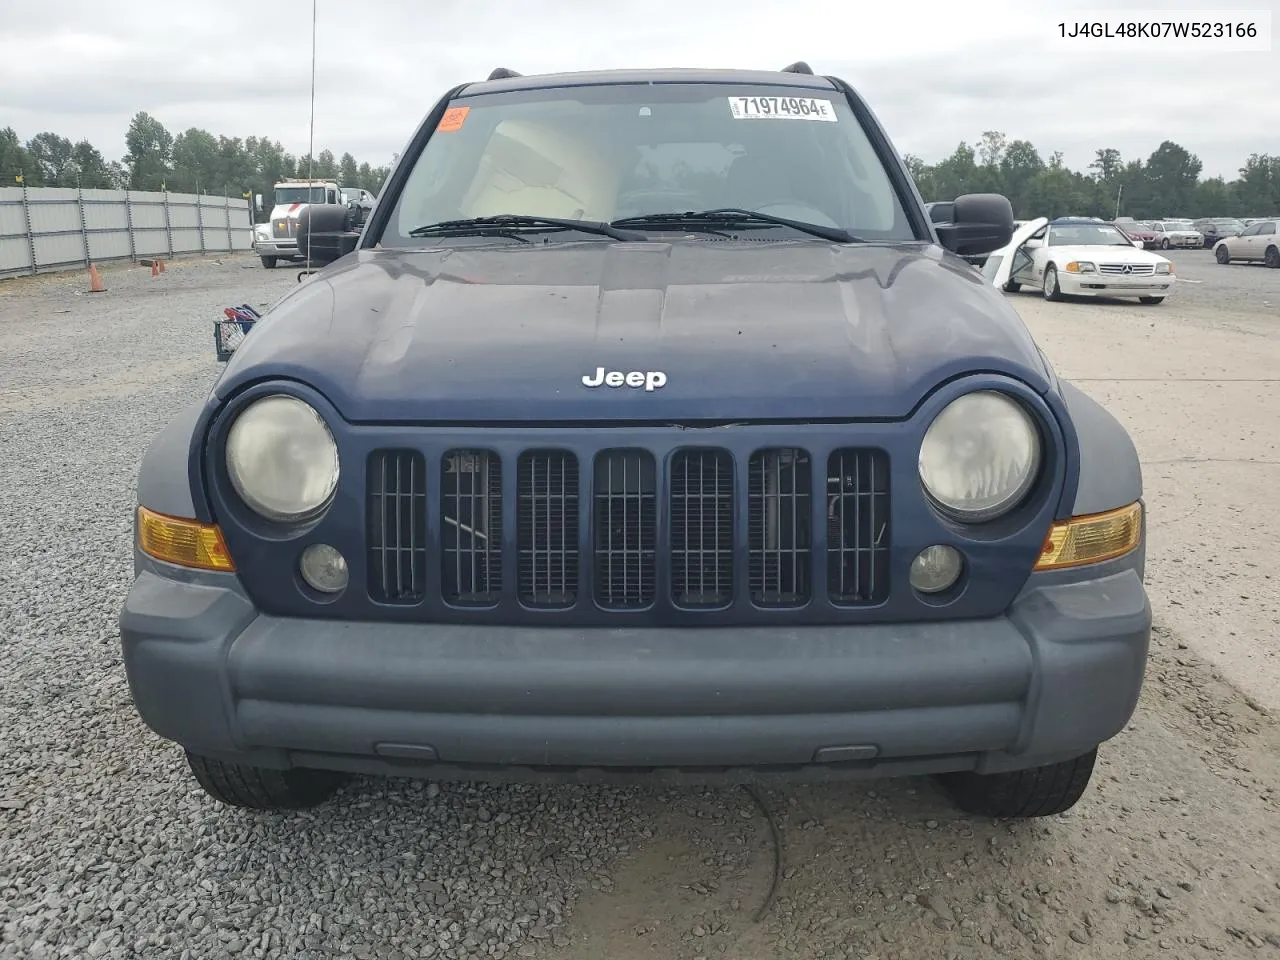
(1112, 285)
(1057, 675)
(276, 248)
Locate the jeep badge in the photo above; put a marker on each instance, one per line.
(649, 379)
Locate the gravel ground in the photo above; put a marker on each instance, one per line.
(107, 848)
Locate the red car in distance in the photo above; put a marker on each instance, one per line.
(1140, 232)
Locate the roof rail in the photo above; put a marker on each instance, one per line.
(502, 73)
(798, 67)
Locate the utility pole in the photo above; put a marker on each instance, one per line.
(1119, 194)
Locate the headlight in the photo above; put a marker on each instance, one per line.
(282, 459)
(1079, 266)
(980, 456)
(1164, 268)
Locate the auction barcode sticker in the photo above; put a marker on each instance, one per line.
(782, 108)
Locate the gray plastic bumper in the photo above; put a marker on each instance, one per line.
(1059, 674)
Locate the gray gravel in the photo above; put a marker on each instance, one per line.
(108, 849)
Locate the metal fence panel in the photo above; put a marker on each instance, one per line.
(58, 228)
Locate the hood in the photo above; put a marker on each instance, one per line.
(694, 330)
(1117, 253)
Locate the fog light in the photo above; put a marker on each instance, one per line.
(936, 568)
(324, 568)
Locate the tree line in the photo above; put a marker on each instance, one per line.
(1166, 184)
(194, 161)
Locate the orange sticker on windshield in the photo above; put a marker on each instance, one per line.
(453, 119)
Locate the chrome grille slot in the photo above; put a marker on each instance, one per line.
(701, 486)
(624, 517)
(1135, 269)
(780, 522)
(397, 526)
(547, 528)
(857, 526)
(470, 527)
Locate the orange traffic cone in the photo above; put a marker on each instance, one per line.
(161, 262)
(95, 280)
(155, 268)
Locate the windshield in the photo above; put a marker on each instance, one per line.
(1087, 235)
(285, 195)
(602, 153)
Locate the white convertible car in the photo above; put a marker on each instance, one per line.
(1075, 257)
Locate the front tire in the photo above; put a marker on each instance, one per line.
(1151, 299)
(260, 788)
(1272, 258)
(1164, 244)
(269, 262)
(1011, 286)
(1022, 794)
(1051, 289)
(1222, 255)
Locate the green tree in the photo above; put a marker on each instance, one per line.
(150, 149)
(95, 172)
(195, 161)
(348, 171)
(1107, 162)
(15, 161)
(51, 154)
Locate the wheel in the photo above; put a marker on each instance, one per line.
(260, 788)
(269, 262)
(1221, 254)
(1151, 299)
(1164, 244)
(1035, 792)
(1051, 288)
(1272, 258)
(1011, 286)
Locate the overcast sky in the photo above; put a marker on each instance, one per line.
(935, 72)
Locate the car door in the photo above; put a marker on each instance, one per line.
(1013, 256)
(1241, 247)
(1264, 238)
(1029, 260)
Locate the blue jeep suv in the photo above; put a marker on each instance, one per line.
(650, 425)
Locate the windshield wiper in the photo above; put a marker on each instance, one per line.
(507, 224)
(733, 217)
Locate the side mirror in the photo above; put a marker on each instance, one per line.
(1034, 242)
(323, 235)
(979, 223)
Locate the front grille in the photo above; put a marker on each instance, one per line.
(1134, 269)
(779, 498)
(282, 229)
(857, 526)
(701, 528)
(624, 516)
(397, 526)
(608, 507)
(547, 528)
(471, 527)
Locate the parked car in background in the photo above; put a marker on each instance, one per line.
(1079, 257)
(1140, 232)
(1214, 229)
(1176, 233)
(1257, 242)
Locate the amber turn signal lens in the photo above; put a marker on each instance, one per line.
(188, 543)
(1092, 539)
